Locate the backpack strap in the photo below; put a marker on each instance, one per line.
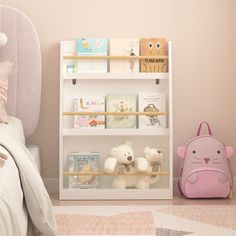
(200, 127)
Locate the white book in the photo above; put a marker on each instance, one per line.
(69, 66)
(152, 102)
(89, 104)
(124, 47)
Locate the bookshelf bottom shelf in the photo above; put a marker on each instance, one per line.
(115, 194)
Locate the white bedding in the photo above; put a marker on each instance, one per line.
(13, 214)
(14, 128)
(23, 197)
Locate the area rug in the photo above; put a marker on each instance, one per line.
(172, 220)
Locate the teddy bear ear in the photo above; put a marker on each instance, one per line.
(129, 143)
(114, 151)
(146, 149)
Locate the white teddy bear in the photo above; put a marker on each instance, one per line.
(122, 158)
(153, 157)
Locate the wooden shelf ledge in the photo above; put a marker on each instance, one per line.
(114, 174)
(106, 113)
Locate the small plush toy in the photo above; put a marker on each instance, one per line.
(154, 157)
(122, 161)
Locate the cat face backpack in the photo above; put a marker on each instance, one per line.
(205, 167)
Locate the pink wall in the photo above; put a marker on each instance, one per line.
(203, 35)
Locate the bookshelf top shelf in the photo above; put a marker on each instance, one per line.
(75, 57)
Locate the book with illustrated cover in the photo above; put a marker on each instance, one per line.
(121, 103)
(84, 162)
(124, 47)
(152, 102)
(92, 47)
(93, 104)
(69, 66)
(154, 47)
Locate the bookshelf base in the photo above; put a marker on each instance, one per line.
(115, 194)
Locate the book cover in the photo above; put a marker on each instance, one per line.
(92, 47)
(124, 47)
(69, 48)
(154, 47)
(152, 102)
(89, 103)
(84, 163)
(69, 66)
(121, 103)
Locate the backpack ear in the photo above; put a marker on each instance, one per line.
(229, 151)
(181, 151)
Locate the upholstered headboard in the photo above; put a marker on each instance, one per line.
(23, 49)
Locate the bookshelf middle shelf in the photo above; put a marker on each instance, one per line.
(112, 76)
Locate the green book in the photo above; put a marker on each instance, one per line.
(121, 103)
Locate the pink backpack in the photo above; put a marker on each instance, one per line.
(204, 167)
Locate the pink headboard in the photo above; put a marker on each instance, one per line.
(23, 50)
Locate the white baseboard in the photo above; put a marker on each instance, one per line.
(52, 185)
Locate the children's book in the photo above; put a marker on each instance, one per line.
(83, 162)
(92, 47)
(87, 104)
(124, 47)
(121, 103)
(69, 66)
(152, 102)
(154, 47)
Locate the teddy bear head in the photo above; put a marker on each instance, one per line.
(123, 153)
(153, 154)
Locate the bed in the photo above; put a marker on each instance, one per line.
(25, 207)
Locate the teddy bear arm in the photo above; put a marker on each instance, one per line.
(141, 164)
(110, 164)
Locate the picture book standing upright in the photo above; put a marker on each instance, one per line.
(69, 66)
(92, 47)
(121, 103)
(89, 104)
(154, 47)
(124, 47)
(152, 102)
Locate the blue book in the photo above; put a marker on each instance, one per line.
(84, 162)
(92, 47)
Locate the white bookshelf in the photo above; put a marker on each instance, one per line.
(102, 140)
